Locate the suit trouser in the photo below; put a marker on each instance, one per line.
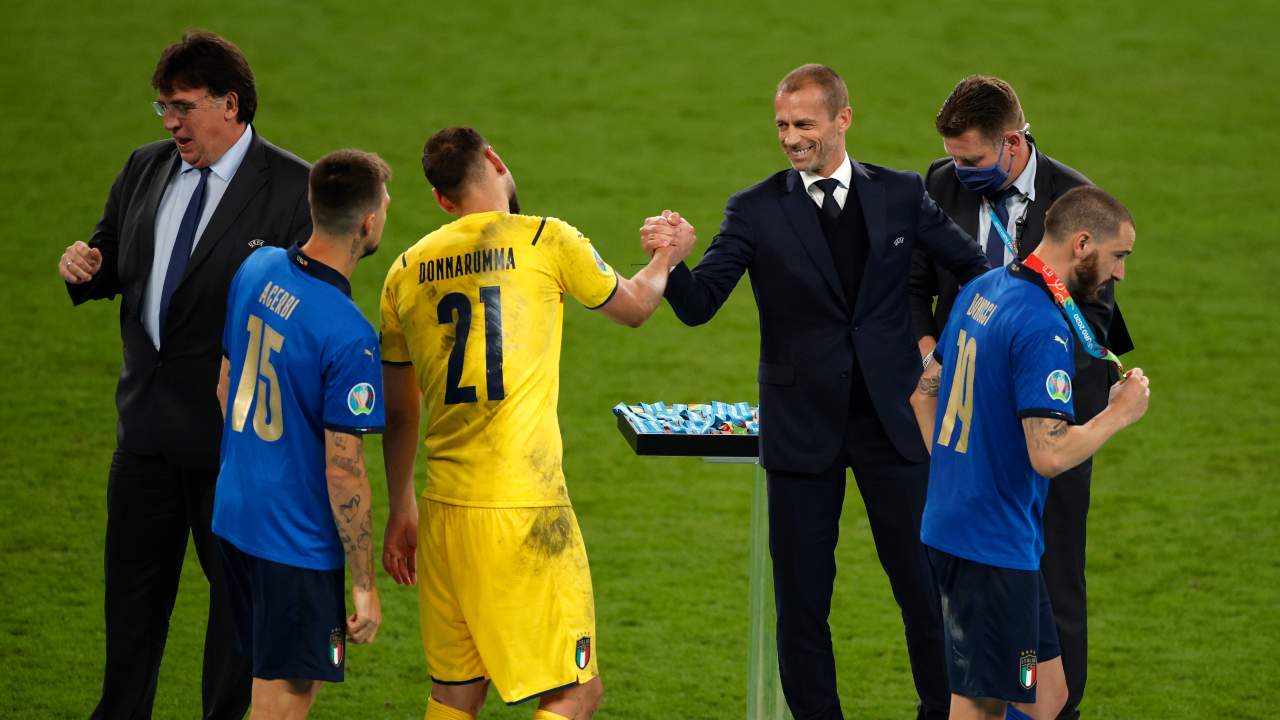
(152, 504)
(1065, 513)
(804, 525)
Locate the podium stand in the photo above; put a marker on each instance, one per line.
(764, 688)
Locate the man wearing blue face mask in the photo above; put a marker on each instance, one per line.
(997, 185)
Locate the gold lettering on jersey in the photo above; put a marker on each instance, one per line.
(278, 300)
(981, 309)
(476, 261)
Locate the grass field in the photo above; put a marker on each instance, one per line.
(608, 112)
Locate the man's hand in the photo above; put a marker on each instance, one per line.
(927, 345)
(79, 263)
(668, 230)
(363, 624)
(1129, 397)
(400, 547)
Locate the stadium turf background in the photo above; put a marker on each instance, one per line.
(608, 112)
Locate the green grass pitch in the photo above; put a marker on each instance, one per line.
(608, 112)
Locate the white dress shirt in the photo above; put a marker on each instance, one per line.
(172, 207)
(844, 174)
(1017, 206)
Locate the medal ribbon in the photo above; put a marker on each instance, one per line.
(1069, 308)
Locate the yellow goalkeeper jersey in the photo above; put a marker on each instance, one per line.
(477, 307)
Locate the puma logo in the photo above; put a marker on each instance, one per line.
(1064, 343)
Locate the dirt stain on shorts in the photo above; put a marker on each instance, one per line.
(551, 532)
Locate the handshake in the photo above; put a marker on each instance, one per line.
(667, 236)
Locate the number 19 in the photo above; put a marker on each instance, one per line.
(960, 399)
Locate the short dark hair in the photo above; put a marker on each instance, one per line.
(983, 102)
(202, 59)
(1086, 208)
(450, 159)
(344, 187)
(834, 92)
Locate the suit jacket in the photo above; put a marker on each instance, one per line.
(166, 399)
(929, 279)
(809, 338)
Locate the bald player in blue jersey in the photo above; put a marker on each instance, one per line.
(304, 378)
(1003, 376)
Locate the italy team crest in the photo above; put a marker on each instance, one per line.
(337, 646)
(1027, 669)
(360, 399)
(582, 653)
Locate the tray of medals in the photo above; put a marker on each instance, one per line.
(714, 429)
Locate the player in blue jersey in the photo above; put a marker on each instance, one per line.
(1003, 379)
(301, 384)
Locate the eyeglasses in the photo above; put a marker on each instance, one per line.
(179, 107)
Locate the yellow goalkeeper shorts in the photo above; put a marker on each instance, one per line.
(505, 594)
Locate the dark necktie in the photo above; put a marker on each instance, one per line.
(995, 244)
(843, 247)
(182, 246)
(830, 207)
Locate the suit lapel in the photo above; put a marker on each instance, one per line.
(871, 200)
(799, 209)
(1036, 211)
(142, 250)
(248, 181)
(967, 210)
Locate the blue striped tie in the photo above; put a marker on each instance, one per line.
(182, 246)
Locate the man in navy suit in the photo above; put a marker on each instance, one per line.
(828, 247)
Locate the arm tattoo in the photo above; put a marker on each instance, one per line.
(355, 530)
(929, 384)
(1045, 432)
(350, 508)
(350, 454)
(351, 514)
(931, 378)
(350, 465)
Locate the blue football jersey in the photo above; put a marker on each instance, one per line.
(303, 359)
(1006, 354)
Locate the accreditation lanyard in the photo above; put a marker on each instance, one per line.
(1009, 242)
(1072, 311)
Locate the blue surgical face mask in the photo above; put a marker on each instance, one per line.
(984, 180)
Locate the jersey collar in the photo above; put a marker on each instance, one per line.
(1022, 272)
(319, 270)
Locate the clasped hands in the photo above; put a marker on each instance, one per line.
(668, 234)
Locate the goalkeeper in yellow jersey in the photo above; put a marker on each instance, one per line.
(471, 324)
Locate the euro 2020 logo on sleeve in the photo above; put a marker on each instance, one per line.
(600, 263)
(360, 399)
(1058, 385)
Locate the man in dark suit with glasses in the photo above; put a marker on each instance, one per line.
(179, 219)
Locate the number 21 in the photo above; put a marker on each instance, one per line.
(459, 304)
